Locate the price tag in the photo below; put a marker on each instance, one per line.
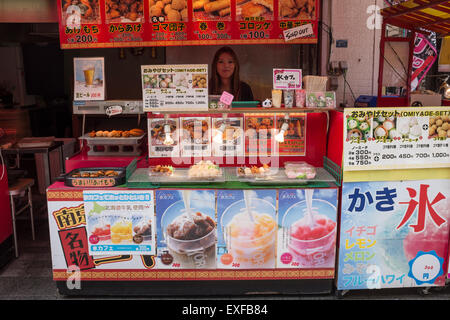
(226, 98)
(287, 78)
(298, 32)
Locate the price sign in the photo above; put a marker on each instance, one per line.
(390, 138)
(175, 87)
(287, 78)
(298, 32)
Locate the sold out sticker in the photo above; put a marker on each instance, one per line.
(298, 32)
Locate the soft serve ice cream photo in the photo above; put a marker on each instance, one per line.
(307, 235)
(247, 229)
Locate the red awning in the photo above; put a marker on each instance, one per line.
(419, 15)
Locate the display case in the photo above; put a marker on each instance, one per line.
(282, 250)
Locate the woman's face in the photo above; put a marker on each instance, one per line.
(225, 66)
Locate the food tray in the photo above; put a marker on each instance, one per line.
(280, 177)
(111, 146)
(180, 175)
(100, 181)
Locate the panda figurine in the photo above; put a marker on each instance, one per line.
(267, 103)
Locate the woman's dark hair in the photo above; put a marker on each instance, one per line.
(214, 82)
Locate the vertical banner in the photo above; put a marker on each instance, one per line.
(394, 234)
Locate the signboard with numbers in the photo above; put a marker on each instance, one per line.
(139, 23)
(393, 234)
(396, 138)
(175, 87)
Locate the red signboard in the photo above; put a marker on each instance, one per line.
(139, 23)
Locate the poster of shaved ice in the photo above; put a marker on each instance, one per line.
(186, 229)
(394, 234)
(247, 229)
(307, 228)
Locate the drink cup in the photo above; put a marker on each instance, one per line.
(89, 76)
(276, 98)
(288, 98)
(300, 98)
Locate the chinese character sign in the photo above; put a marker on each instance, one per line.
(396, 138)
(394, 234)
(139, 23)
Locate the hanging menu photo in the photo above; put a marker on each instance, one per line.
(396, 138)
(139, 23)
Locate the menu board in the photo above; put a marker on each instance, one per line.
(396, 138)
(139, 23)
(393, 234)
(294, 143)
(175, 87)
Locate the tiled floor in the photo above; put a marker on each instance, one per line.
(30, 275)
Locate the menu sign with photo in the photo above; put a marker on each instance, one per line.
(89, 79)
(396, 138)
(175, 87)
(232, 143)
(195, 136)
(139, 23)
(163, 144)
(120, 222)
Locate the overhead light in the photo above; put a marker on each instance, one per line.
(218, 137)
(445, 87)
(280, 136)
(447, 91)
(168, 141)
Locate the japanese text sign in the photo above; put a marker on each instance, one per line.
(139, 23)
(287, 78)
(175, 87)
(393, 234)
(396, 138)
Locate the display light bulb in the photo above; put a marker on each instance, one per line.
(218, 138)
(168, 141)
(447, 91)
(280, 136)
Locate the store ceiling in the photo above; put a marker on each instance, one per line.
(419, 15)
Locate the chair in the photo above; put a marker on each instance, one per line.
(18, 189)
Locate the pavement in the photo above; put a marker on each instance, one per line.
(29, 277)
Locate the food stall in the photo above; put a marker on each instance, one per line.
(394, 226)
(216, 196)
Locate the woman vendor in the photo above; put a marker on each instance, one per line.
(225, 76)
